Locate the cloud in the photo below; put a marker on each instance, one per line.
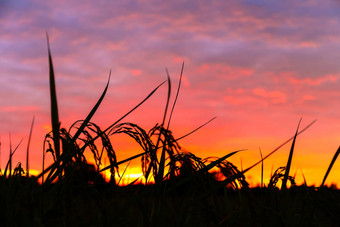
(275, 97)
(314, 81)
(257, 96)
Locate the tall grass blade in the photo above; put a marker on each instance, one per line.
(330, 167)
(160, 174)
(304, 178)
(90, 115)
(54, 104)
(9, 163)
(0, 157)
(261, 168)
(232, 178)
(287, 141)
(28, 149)
(10, 155)
(177, 93)
(134, 108)
(289, 162)
(125, 115)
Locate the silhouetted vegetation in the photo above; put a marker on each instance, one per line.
(180, 188)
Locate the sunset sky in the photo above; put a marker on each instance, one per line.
(258, 66)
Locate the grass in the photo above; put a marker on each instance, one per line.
(181, 189)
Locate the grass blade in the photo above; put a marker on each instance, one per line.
(10, 156)
(9, 163)
(330, 166)
(182, 137)
(160, 174)
(54, 104)
(232, 178)
(304, 178)
(261, 168)
(178, 89)
(287, 141)
(0, 157)
(28, 148)
(218, 161)
(123, 173)
(90, 115)
(125, 160)
(289, 162)
(125, 115)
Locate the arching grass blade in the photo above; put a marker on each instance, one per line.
(90, 115)
(125, 115)
(182, 137)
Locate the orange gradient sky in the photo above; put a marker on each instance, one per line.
(259, 66)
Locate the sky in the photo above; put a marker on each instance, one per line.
(258, 66)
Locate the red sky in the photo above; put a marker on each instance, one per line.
(258, 66)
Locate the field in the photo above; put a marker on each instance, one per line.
(179, 189)
(24, 202)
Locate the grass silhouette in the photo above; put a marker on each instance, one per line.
(186, 190)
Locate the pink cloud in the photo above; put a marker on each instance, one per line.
(227, 72)
(240, 100)
(19, 108)
(314, 82)
(136, 72)
(274, 96)
(308, 98)
(255, 97)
